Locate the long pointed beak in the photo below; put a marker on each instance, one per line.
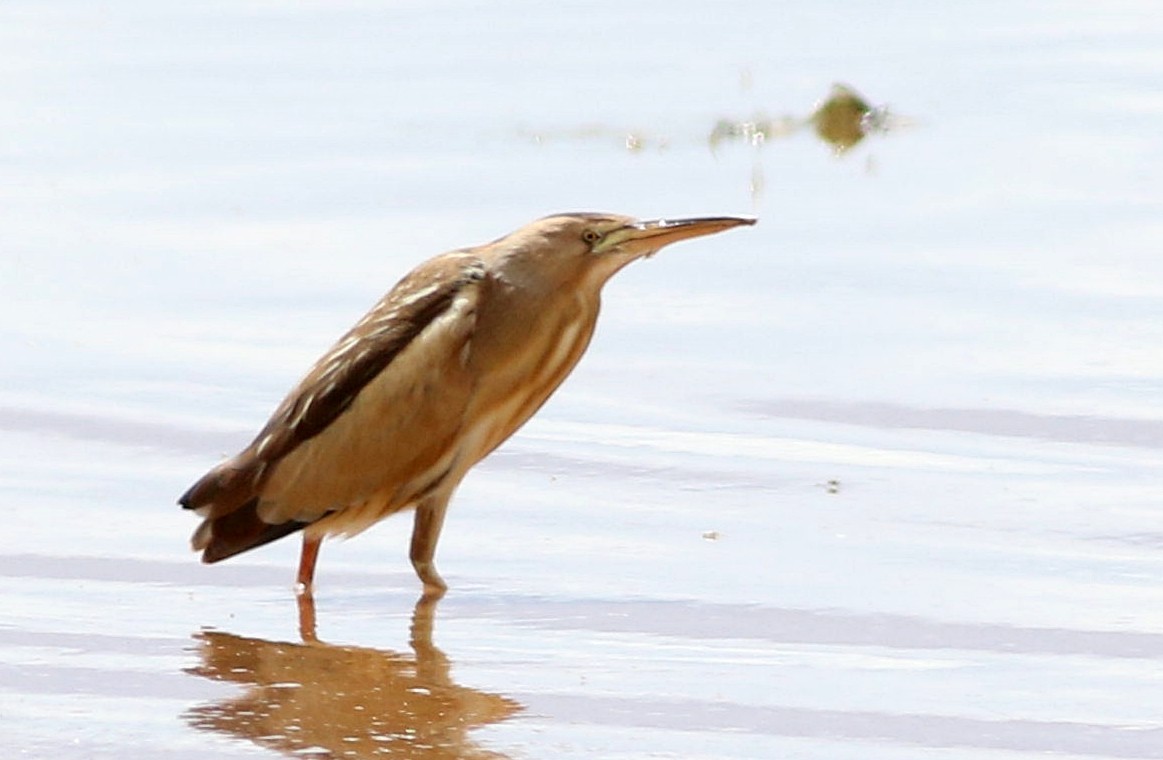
(644, 238)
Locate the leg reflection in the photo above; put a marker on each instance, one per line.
(351, 701)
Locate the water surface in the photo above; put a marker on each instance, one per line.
(876, 479)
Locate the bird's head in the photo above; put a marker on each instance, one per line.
(591, 247)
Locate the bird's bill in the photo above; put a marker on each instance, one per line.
(644, 238)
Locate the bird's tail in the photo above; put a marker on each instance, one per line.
(221, 537)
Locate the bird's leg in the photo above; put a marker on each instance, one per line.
(425, 533)
(307, 618)
(307, 557)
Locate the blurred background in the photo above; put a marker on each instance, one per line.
(875, 478)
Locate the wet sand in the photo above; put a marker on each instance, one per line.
(876, 479)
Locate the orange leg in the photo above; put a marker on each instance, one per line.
(307, 618)
(307, 558)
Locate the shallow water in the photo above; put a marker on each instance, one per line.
(877, 478)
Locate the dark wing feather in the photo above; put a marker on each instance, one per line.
(239, 531)
(335, 381)
(364, 352)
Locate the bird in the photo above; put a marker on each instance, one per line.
(456, 357)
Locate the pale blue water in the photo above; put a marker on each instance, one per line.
(958, 321)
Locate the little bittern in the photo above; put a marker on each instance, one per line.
(443, 369)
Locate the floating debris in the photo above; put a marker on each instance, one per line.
(841, 120)
(634, 141)
(845, 118)
(754, 132)
(830, 486)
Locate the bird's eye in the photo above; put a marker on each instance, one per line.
(591, 236)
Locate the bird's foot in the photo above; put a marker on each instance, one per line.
(434, 585)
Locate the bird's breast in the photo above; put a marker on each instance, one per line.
(520, 363)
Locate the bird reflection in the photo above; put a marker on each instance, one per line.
(321, 700)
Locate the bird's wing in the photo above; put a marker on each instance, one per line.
(423, 303)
